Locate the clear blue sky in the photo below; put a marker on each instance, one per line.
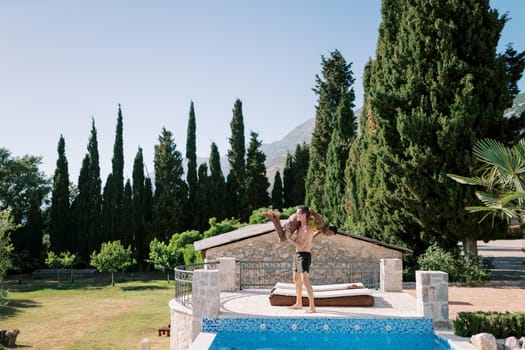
(63, 62)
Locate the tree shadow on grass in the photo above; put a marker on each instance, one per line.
(15, 306)
(26, 283)
(143, 287)
(26, 286)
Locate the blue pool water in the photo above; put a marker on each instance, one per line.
(323, 333)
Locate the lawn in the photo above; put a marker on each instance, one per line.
(88, 313)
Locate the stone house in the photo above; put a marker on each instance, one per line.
(260, 243)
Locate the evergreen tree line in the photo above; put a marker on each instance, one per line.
(139, 210)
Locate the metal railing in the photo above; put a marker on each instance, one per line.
(264, 274)
(184, 281)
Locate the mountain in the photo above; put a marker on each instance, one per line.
(518, 106)
(276, 151)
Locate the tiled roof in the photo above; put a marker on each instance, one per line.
(260, 229)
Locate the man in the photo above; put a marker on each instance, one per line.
(303, 259)
(302, 223)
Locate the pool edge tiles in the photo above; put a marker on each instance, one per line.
(328, 325)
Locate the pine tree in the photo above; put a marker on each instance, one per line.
(170, 188)
(334, 84)
(138, 218)
(236, 157)
(432, 91)
(60, 235)
(191, 176)
(277, 192)
(256, 181)
(345, 130)
(217, 186)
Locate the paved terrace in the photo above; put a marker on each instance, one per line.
(255, 303)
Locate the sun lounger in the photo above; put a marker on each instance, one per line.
(345, 294)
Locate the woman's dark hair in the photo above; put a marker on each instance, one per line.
(305, 210)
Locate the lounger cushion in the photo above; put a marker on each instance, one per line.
(283, 295)
(323, 287)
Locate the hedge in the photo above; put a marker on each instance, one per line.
(501, 325)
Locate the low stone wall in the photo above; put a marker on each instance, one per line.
(181, 327)
(186, 323)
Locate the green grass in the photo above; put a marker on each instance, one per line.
(88, 313)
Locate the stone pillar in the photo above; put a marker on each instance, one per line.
(227, 274)
(205, 298)
(432, 296)
(391, 275)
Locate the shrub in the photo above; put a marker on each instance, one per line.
(501, 325)
(459, 268)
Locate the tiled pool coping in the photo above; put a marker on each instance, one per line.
(315, 325)
(352, 326)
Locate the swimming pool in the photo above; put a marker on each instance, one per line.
(323, 333)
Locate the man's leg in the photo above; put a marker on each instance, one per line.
(310, 290)
(298, 291)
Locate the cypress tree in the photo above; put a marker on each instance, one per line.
(345, 129)
(203, 200)
(288, 181)
(435, 87)
(88, 201)
(140, 246)
(256, 181)
(117, 195)
(217, 186)
(231, 203)
(148, 214)
(277, 192)
(331, 87)
(127, 216)
(236, 157)
(60, 236)
(295, 172)
(106, 234)
(191, 176)
(170, 188)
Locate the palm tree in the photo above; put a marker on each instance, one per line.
(502, 177)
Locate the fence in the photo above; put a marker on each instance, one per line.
(264, 274)
(184, 280)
